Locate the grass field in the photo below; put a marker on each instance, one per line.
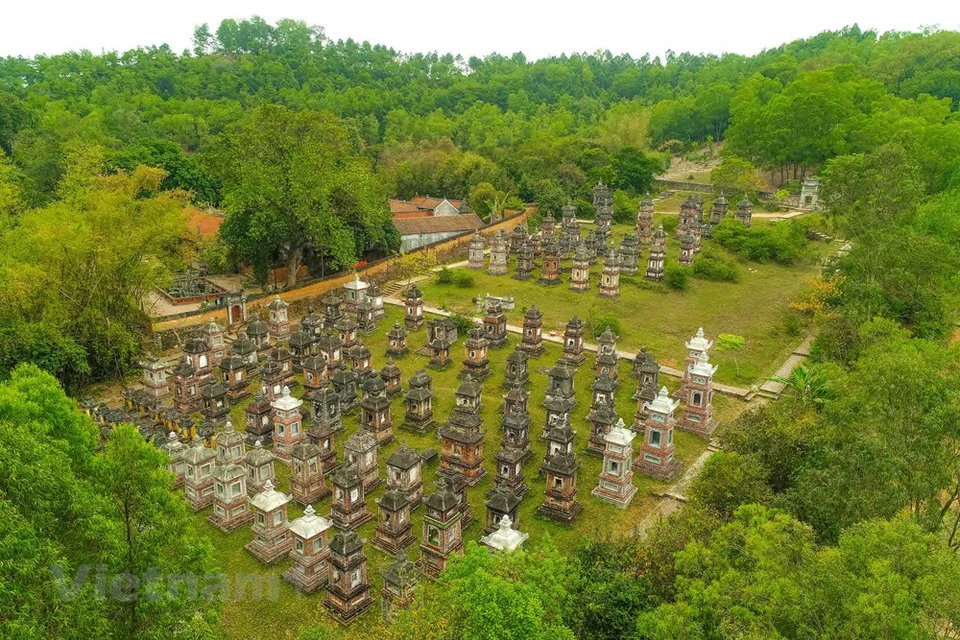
(284, 616)
(654, 316)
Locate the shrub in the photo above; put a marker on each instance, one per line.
(713, 266)
(603, 323)
(676, 277)
(444, 276)
(783, 243)
(730, 342)
(670, 224)
(464, 324)
(463, 279)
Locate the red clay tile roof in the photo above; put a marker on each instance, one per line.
(437, 224)
(403, 206)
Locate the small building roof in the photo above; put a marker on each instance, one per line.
(702, 366)
(438, 224)
(505, 538)
(404, 457)
(698, 342)
(621, 435)
(393, 500)
(345, 543)
(310, 525)
(286, 402)
(663, 403)
(277, 303)
(269, 499)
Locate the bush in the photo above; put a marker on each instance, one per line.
(444, 276)
(464, 324)
(463, 279)
(676, 277)
(670, 224)
(713, 266)
(783, 243)
(603, 323)
(730, 342)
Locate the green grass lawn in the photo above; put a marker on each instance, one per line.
(651, 315)
(284, 617)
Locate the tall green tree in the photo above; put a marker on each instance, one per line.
(295, 182)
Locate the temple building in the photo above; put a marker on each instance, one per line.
(505, 538)
(413, 308)
(495, 323)
(326, 421)
(718, 210)
(229, 497)
(517, 396)
(419, 401)
(602, 414)
(287, 424)
(405, 473)
(233, 374)
(391, 375)
(532, 337)
(656, 454)
(629, 255)
(441, 335)
(348, 589)
(310, 554)
(607, 359)
(559, 439)
(198, 463)
(306, 476)
(279, 322)
(610, 277)
(366, 317)
(524, 269)
(616, 477)
(560, 501)
(517, 374)
(687, 248)
(355, 292)
(300, 344)
(346, 329)
(517, 236)
(175, 449)
(697, 416)
(560, 397)
(656, 260)
(696, 345)
(282, 356)
(461, 438)
(345, 381)
(315, 374)
(501, 503)
(475, 361)
(215, 409)
(514, 451)
(475, 259)
(155, 381)
(259, 333)
(573, 342)
(361, 360)
(375, 411)
(442, 535)
(744, 212)
(349, 508)
(394, 530)
(361, 450)
(580, 272)
(397, 341)
(229, 445)
(550, 269)
(313, 323)
(246, 350)
(271, 529)
(330, 347)
(499, 255)
(400, 581)
(259, 465)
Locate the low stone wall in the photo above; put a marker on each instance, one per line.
(699, 187)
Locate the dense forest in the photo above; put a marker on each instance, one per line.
(832, 513)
